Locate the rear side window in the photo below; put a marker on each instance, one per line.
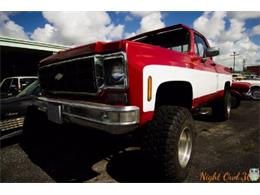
(200, 45)
(176, 39)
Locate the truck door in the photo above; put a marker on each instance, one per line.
(209, 80)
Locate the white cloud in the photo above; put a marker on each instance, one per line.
(211, 24)
(46, 34)
(235, 32)
(150, 22)
(141, 13)
(256, 30)
(243, 15)
(74, 28)
(116, 31)
(128, 35)
(229, 38)
(128, 18)
(9, 28)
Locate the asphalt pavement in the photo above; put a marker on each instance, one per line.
(224, 152)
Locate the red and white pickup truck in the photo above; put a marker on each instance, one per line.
(154, 79)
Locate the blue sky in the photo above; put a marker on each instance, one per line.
(231, 31)
(31, 20)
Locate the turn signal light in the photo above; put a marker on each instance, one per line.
(149, 89)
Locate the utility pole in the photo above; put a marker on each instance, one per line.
(244, 64)
(234, 59)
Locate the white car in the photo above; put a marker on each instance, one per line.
(11, 86)
(254, 91)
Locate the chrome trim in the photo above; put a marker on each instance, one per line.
(65, 61)
(9, 135)
(95, 57)
(90, 114)
(115, 55)
(72, 92)
(91, 105)
(250, 92)
(167, 31)
(229, 104)
(112, 129)
(97, 121)
(12, 123)
(184, 147)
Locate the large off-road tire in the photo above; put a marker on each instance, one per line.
(169, 143)
(222, 107)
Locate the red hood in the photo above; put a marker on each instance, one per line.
(94, 48)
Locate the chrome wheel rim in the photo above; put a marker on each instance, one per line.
(229, 104)
(184, 147)
(256, 94)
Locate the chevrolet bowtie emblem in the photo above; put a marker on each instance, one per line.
(58, 76)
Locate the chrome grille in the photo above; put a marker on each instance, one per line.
(71, 76)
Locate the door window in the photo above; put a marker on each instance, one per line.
(200, 45)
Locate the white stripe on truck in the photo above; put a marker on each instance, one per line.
(203, 82)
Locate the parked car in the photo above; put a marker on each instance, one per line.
(237, 76)
(11, 86)
(13, 110)
(252, 77)
(254, 91)
(152, 80)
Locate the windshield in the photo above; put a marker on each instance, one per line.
(32, 89)
(176, 39)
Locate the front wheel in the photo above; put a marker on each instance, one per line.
(169, 142)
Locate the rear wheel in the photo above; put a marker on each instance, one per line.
(169, 143)
(221, 108)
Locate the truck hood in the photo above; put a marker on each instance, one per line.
(93, 48)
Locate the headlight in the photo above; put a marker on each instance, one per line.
(115, 71)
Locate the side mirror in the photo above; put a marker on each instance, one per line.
(211, 51)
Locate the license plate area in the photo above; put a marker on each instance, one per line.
(54, 113)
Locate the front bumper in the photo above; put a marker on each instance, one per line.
(112, 119)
